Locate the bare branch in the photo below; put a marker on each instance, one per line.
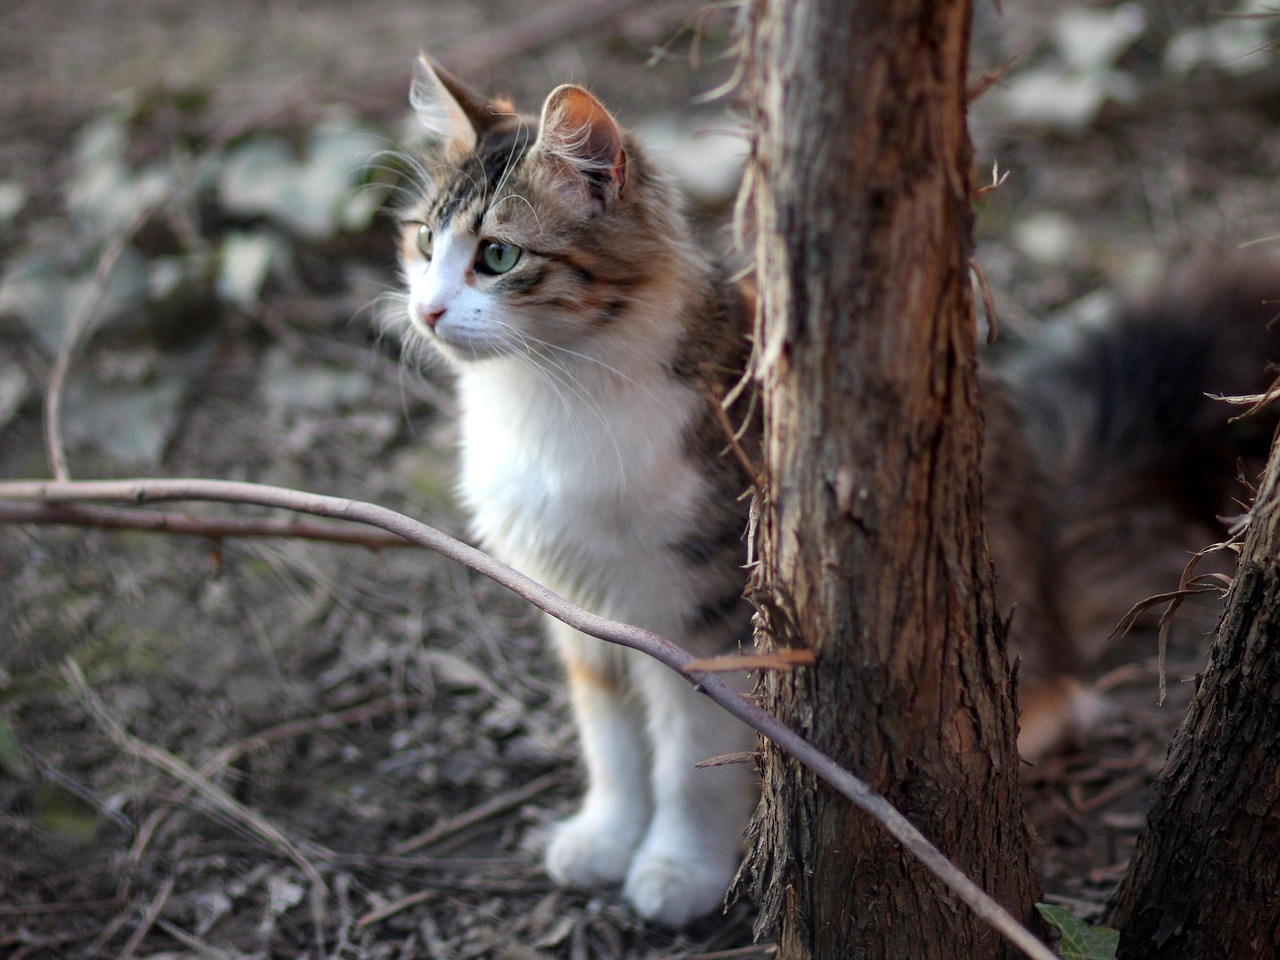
(82, 321)
(167, 762)
(212, 528)
(155, 490)
(76, 331)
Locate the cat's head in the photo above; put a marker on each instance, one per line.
(531, 235)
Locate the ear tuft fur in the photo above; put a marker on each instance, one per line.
(447, 107)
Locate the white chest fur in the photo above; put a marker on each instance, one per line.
(579, 477)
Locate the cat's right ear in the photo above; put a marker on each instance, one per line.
(584, 142)
(447, 107)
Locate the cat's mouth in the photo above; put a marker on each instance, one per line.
(461, 345)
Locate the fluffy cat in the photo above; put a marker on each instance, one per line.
(548, 261)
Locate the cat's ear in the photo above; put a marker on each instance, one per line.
(446, 106)
(584, 143)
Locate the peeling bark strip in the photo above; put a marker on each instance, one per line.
(871, 542)
(1205, 880)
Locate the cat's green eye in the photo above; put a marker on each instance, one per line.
(498, 257)
(424, 240)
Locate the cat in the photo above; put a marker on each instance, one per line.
(548, 260)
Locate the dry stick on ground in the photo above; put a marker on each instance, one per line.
(176, 768)
(478, 814)
(140, 491)
(149, 919)
(289, 729)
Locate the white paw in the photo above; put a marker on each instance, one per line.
(589, 851)
(675, 889)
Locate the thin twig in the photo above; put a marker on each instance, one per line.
(73, 786)
(76, 331)
(989, 79)
(478, 814)
(211, 528)
(636, 638)
(167, 762)
(82, 321)
(194, 944)
(148, 920)
(73, 906)
(733, 438)
(755, 950)
(297, 728)
(391, 909)
(1188, 585)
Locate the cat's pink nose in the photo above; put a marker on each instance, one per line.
(430, 316)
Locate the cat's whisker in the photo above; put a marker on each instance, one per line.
(525, 200)
(554, 374)
(402, 166)
(522, 141)
(586, 398)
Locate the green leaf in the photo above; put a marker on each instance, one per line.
(1080, 940)
(47, 293)
(105, 193)
(313, 196)
(245, 261)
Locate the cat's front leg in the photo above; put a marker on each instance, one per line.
(594, 847)
(693, 846)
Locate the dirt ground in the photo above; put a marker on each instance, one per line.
(282, 748)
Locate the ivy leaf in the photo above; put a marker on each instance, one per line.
(47, 293)
(313, 196)
(105, 193)
(1080, 940)
(245, 261)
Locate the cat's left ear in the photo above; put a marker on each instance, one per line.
(584, 141)
(447, 107)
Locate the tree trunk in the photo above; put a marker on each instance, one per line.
(1205, 880)
(871, 544)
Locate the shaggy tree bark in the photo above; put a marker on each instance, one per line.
(871, 544)
(1205, 880)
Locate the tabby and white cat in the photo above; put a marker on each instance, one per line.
(549, 261)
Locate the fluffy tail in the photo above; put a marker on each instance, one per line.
(1143, 462)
